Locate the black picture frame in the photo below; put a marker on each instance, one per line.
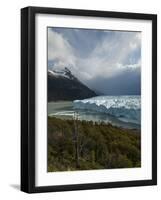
(28, 98)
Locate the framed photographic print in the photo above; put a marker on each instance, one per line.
(88, 99)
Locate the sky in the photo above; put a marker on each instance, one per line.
(107, 61)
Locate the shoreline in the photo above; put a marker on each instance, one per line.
(61, 109)
(97, 122)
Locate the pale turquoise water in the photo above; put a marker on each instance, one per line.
(66, 109)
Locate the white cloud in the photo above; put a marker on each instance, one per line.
(59, 50)
(110, 57)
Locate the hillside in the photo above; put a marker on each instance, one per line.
(98, 146)
(63, 85)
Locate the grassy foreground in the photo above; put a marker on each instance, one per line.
(92, 146)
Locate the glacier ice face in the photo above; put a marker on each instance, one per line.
(126, 108)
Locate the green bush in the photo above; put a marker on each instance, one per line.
(98, 146)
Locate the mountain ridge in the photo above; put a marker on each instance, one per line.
(63, 85)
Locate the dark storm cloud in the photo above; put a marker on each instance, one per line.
(107, 61)
(126, 83)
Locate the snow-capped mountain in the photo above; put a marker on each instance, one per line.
(63, 85)
(66, 73)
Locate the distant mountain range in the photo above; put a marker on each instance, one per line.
(63, 85)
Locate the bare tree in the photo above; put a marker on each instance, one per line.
(76, 138)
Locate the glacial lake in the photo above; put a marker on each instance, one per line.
(66, 110)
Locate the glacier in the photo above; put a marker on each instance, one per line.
(125, 108)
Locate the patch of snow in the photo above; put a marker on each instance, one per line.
(66, 73)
